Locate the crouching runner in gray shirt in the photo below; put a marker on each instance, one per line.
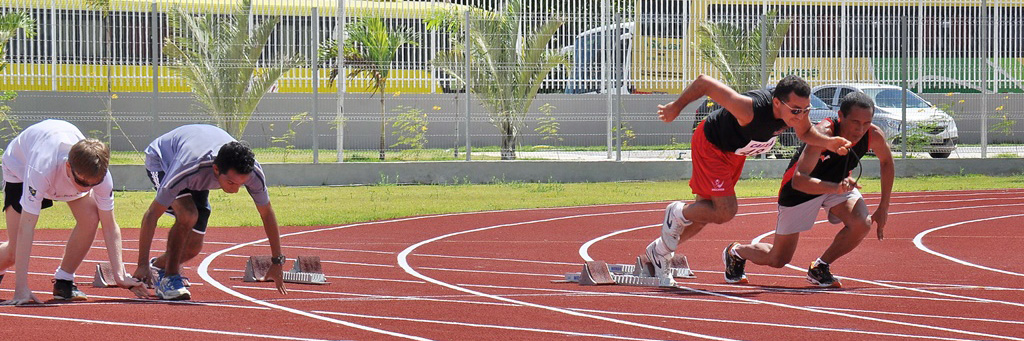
(184, 165)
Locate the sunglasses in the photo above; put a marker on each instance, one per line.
(81, 182)
(796, 111)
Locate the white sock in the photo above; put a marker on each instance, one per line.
(679, 213)
(64, 275)
(661, 248)
(819, 261)
(734, 253)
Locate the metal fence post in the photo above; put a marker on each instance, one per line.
(154, 43)
(314, 41)
(606, 77)
(764, 51)
(904, 55)
(983, 51)
(339, 117)
(469, 83)
(618, 69)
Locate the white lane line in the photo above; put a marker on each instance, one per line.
(499, 259)
(403, 261)
(136, 300)
(859, 317)
(375, 297)
(489, 326)
(345, 277)
(944, 317)
(838, 292)
(769, 324)
(930, 292)
(152, 326)
(491, 272)
(205, 265)
(206, 261)
(329, 262)
(585, 254)
(918, 241)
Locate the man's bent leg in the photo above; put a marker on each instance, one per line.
(774, 255)
(7, 248)
(87, 220)
(854, 214)
(185, 216)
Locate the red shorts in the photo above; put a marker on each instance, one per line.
(715, 172)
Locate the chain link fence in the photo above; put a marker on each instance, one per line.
(547, 79)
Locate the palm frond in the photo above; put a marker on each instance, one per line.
(220, 57)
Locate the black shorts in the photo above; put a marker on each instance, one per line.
(200, 198)
(12, 196)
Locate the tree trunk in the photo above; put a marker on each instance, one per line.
(383, 125)
(508, 139)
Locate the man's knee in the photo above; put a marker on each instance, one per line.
(859, 226)
(724, 213)
(779, 261)
(6, 255)
(186, 218)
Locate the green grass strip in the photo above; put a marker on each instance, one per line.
(319, 206)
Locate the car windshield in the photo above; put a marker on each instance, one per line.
(817, 103)
(890, 98)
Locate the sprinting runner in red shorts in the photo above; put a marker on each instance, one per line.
(748, 124)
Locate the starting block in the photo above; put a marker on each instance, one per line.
(104, 277)
(638, 274)
(306, 270)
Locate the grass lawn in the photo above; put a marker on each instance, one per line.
(316, 206)
(284, 155)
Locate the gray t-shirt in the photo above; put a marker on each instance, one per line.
(186, 154)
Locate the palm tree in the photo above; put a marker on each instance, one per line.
(370, 49)
(736, 53)
(508, 61)
(219, 57)
(10, 23)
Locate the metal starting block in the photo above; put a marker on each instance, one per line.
(306, 270)
(104, 277)
(639, 274)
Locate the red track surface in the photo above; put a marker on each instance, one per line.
(488, 276)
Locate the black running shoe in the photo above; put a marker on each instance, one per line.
(734, 272)
(818, 274)
(67, 291)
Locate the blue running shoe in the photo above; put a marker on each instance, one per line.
(172, 288)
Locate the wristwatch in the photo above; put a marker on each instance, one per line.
(279, 260)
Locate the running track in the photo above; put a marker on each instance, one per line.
(949, 269)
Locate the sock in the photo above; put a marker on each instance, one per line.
(661, 248)
(64, 275)
(819, 261)
(679, 213)
(735, 254)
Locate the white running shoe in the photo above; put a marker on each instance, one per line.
(661, 262)
(673, 225)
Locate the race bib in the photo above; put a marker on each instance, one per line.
(756, 147)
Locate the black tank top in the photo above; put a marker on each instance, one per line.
(831, 167)
(758, 137)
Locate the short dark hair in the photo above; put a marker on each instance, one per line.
(858, 99)
(792, 84)
(235, 155)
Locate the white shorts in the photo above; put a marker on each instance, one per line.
(800, 218)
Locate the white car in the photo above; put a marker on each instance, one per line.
(926, 122)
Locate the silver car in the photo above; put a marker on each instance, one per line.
(929, 127)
